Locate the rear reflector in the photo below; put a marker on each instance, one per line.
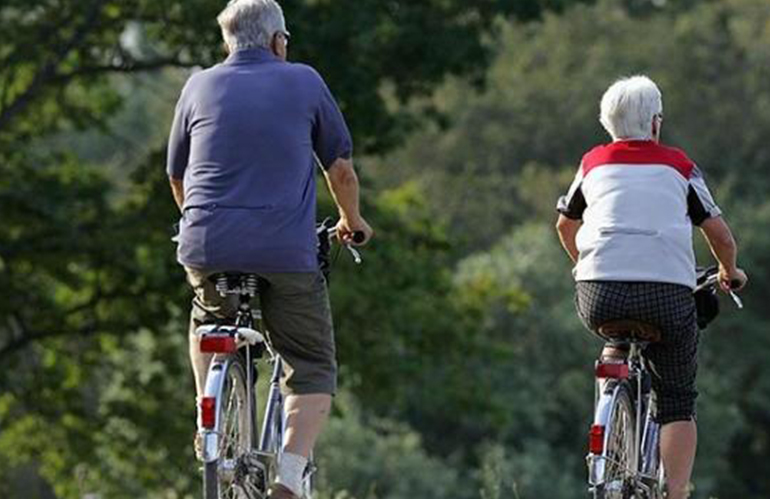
(208, 412)
(596, 439)
(616, 371)
(218, 344)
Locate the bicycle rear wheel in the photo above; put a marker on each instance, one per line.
(618, 453)
(235, 439)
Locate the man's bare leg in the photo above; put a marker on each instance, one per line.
(306, 416)
(678, 441)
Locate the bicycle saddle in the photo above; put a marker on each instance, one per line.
(629, 330)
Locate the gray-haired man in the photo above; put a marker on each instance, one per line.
(241, 167)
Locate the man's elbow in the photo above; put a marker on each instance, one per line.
(341, 172)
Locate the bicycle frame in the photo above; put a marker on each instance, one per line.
(273, 422)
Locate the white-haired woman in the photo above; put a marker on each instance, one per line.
(626, 222)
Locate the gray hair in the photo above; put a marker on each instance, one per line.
(629, 106)
(251, 23)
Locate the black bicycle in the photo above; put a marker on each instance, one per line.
(624, 457)
(237, 464)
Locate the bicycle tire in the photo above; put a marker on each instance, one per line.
(210, 480)
(619, 449)
(235, 439)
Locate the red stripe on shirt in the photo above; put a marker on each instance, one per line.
(637, 153)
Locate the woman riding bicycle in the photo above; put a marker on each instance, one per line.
(626, 222)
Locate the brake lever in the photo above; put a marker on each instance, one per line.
(354, 252)
(736, 299)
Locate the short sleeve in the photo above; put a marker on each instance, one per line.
(573, 204)
(700, 203)
(179, 140)
(331, 137)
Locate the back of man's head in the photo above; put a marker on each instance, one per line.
(251, 23)
(629, 106)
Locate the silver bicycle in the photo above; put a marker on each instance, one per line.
(239, 463)
(624, 458)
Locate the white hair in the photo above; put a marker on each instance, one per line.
(629, 106)
(251, 23)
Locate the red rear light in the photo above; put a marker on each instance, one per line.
(208, 412)
(218, 344)
(596, 439)
(616, 371)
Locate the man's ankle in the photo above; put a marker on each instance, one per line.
(291, 469)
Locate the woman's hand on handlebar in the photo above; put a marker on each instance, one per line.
(354, 232)
(732, 280)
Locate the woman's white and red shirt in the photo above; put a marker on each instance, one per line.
(638, 201)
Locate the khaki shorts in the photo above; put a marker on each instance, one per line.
(296, 311)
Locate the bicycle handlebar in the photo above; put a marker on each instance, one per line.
(712, 279)
(359, 236)
(328, 227)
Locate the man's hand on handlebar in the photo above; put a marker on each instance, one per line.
(354, 232)
(732, 279)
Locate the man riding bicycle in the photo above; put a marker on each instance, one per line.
(626, 222)
(241, 159)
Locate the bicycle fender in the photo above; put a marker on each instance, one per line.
(214, 386)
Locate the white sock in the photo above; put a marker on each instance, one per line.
(291, 468)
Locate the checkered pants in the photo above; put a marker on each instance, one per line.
(670, 307)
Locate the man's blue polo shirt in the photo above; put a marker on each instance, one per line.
(243, 140)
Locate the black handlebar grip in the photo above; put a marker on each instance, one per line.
(735, 283)
(359, 237)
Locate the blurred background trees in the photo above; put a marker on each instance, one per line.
(465, 372)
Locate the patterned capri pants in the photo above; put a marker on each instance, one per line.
(670, 307)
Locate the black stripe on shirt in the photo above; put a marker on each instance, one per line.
(695, 209)
(573, 208)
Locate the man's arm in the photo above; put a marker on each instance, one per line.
(724, 249)
(568, 229)
(177, 190)
(343, 184)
